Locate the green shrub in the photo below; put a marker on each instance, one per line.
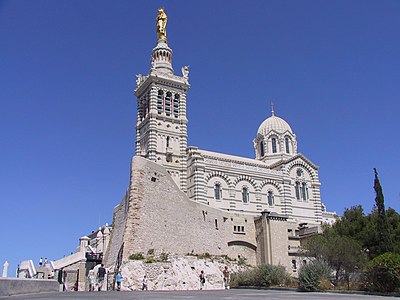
(263, 275)
(273, 275)
(205, 255)
(242, 261)
(311, 275)
(164, 256)
(150, 252)
(136, 256)
(382, 274)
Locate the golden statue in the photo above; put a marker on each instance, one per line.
(161, 24)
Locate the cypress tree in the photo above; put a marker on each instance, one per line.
(385, 244)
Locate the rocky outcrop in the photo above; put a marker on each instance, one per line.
(178, 273)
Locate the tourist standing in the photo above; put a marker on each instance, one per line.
(226, 277)
(144, 283)
(100, 275)
(119, 280)
(45, 261)
(92, 280)
(202, 279)
(40, 261)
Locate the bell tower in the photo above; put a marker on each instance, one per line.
(161, 126)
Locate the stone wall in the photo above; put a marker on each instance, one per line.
(160, 216)
(19, 286)
(116, 239)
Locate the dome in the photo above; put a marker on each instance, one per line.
(274, 123)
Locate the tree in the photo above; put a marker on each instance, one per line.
(352, 224)
(384, 242)
(344, 254)
(382, 274)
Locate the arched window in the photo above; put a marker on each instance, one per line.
(160, 100)
(304, 191)
(176, 105)
(274, 145)
(270, 198)
(287, 145)
(245, 195)
(262, 149)
(298, 192)
(168, 103)
(217, 191)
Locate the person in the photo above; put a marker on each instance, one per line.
(202, 279)
(226, 277)
(60, 278)
(46, 261)
(92, 280)
(100, 275)
(119, 280)
(40, 261)
(64, 276)
(144, 283)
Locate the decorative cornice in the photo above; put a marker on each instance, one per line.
(290, 160)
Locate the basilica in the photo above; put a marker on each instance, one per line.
(183, 199)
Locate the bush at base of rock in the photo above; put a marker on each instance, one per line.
(312, 275)
(136, 256)
(263, 275)
(382, 274)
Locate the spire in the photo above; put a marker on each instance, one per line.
(272, 109)
(161, 59)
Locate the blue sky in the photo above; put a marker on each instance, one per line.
(67, 75)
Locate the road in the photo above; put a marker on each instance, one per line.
(234, 294)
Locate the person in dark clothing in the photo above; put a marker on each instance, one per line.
(100, 275)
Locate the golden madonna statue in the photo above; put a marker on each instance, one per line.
(161, 24)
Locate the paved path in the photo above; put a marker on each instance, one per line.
(234, 294)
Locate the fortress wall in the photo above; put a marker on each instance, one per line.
(117, 235)
(161, 217)
(279, 243)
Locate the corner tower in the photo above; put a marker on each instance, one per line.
(161, 126)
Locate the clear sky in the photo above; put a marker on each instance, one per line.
(67, 75)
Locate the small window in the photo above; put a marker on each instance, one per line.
(168, 103)
(176, 105)
(304, 191)
(274, 145)
(298, 188)
(294, 265)
(270, 198)
(245, 195)
(216, 224)
(160, 101)
(167, 141)
(262, 149)
(217, 191)
(287, 145)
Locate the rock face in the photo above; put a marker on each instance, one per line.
(178, 273)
